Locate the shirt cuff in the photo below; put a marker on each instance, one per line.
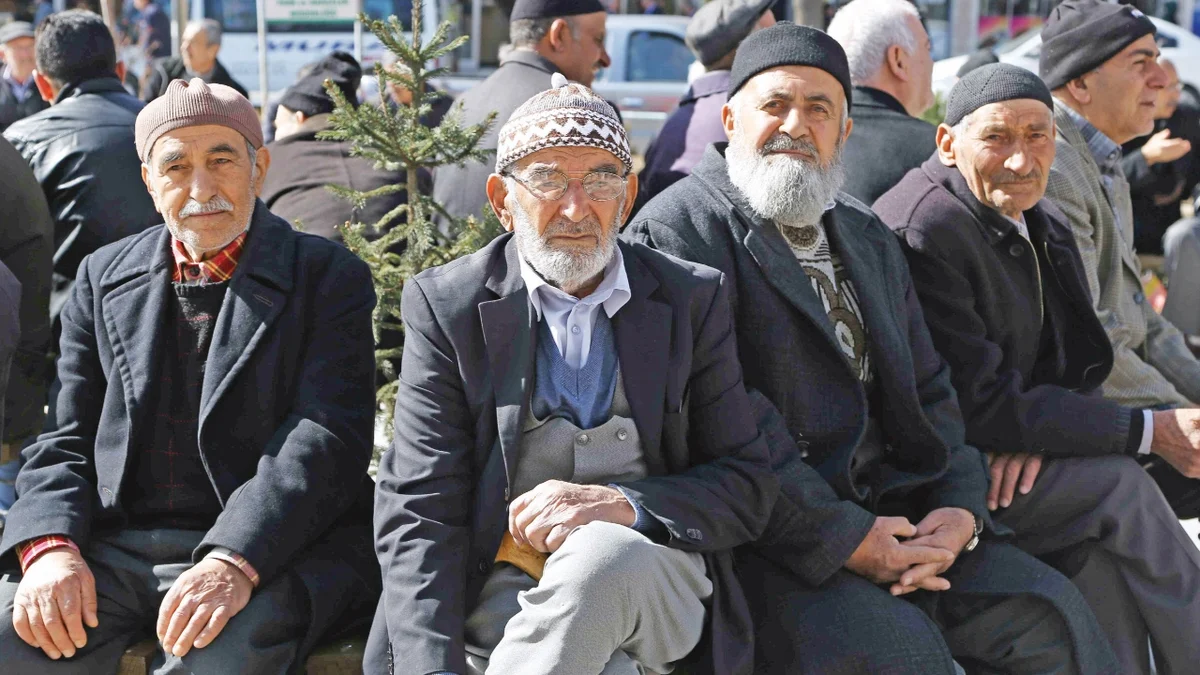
(644, 523)
(29, 551)
(222, 553)
(1147, 432)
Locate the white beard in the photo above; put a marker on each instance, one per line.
(783, 189)
(565, 269)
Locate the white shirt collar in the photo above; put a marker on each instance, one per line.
(613, 291)
(1022, 227)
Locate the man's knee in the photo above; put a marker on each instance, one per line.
(603, 557)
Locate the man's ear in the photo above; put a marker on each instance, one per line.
(727, 120)
(149, 189)
(44, 87)
(120, 70)
(496, 193)
(897, 62)
(1077, 89)
(945, 145)
(849, 128)
(559, 35)
(262, 161)
(631, 191)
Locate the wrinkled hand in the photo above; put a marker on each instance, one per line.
(882, 558)
(199, 604)
(1010, 472)
(1161, 148)
(949, 529)
(55, 598)
(1177, 439)
(543, 517)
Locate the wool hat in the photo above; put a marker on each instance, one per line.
(15, 29)
(994, 83)
(195, 103)
(567, 115)
(787, 44)
(979, 59)
(552, 9)
(308, 94)
(719, 26)
(1080, 35)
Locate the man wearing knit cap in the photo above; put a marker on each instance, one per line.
(1100, 60)
(547, 37)
(882, 524)
(575, 454)
(713, 35)
(303, 164)
(207, 473)
(1004, 294)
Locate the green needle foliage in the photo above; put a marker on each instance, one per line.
(406, 240)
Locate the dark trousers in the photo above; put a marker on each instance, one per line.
(1004, 613)
(134, 569)
(1182, 493)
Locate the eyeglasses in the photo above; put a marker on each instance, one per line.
(551, 185)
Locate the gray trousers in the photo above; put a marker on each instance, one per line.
(134, 569)
(610, 602)
(1105, 524)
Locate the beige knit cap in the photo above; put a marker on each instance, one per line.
(195, 103)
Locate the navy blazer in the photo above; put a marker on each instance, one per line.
(443, 491)
(286, 409)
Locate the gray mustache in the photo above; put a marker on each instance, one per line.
(1006, 177)
(217, 204)
(781, 141)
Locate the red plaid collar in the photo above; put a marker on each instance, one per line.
(214, 270)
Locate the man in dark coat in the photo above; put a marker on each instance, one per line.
(891, 68)
(304, 164)
(199, 47)
(829, 329)
(81, 147)
(713, 35)
(547, 36)
(1006, 300)
(557, 383)
(154, 28)
(19, 96)
(208, 473)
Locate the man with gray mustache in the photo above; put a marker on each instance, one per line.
(880, 555)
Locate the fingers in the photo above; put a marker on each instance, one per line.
(516, 509)
(996, 473)
(21, 625)
(39, 632)
(179, 621)
(557, 535)
(908, 556)
(166, 611)
(216, 624)
(1012, 475)
(895, 526)
(70, 607)
(52, 620)
(198, 622)
(90, 605)
(1033, 467)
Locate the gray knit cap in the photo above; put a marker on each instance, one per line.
(568, 115)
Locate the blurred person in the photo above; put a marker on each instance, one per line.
(713, 35)
(18, 94)
(154, 29)
(44, 9)
(81, 147)
(1161, 168)
(398, 94)
(650, 7)
(199, 47)
(1181, 253)
(548, 36)
(891, 67)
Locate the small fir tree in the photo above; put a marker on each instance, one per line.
(407, 240)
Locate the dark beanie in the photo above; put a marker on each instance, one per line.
(1081, 35)
(994, 83)
(308, 95)
(787, 44)
(979, 59)
(552, 9)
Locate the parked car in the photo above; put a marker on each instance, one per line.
(1177, 44)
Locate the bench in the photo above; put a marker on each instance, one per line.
(340, 657)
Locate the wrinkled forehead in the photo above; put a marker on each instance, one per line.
(795, 83)
(207, 139)
(1015, 115)
(569, 160)
(17, 43)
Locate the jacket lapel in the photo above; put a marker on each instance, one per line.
(643, 332)
(508, 336)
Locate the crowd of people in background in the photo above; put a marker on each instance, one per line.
(823, 387)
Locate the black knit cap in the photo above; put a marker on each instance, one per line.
(994, 83)
(787, 44)
(551, 9)
(308, 95)
(1080, 35)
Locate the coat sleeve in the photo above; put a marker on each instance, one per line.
(725, 498)
(312, 469)
(1138, 171)
(422, 499)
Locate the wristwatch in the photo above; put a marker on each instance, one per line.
(974, 541)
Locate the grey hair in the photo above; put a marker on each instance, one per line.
(960, 130)
(866, 29)
(527, 33)
(211, 28)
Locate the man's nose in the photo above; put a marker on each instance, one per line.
(575, 203)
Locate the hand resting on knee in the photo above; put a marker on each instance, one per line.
(56, 597)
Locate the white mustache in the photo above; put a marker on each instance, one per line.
(217, 204)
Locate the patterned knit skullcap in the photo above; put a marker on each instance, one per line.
(191, 104)
(568, 115)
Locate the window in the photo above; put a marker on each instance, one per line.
(657, 57)
(241, 16)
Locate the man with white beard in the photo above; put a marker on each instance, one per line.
(880, 555)
(575, 455)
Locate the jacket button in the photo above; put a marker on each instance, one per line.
(1139, 297)
(1015, 250)
(483, 567)
(505, 494)
(695, 534)
(622, 434)
(583, 439)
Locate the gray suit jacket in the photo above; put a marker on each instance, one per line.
(1152, 365)
(445, 484)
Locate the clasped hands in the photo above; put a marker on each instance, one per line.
(542, 518)
(57, 597)
(911, 557)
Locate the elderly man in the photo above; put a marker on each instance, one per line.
(207, 475)
(1003, 291)
(891, 68)
(18, 94)
(890, 500)
(199, 47)
(575, 454)
(547, 36)
(713, 35)
(1100, 61)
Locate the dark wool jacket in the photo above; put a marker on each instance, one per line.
(789, 353)
(172, 68)
(286, 410)
(885, 143)
(1025, 385)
